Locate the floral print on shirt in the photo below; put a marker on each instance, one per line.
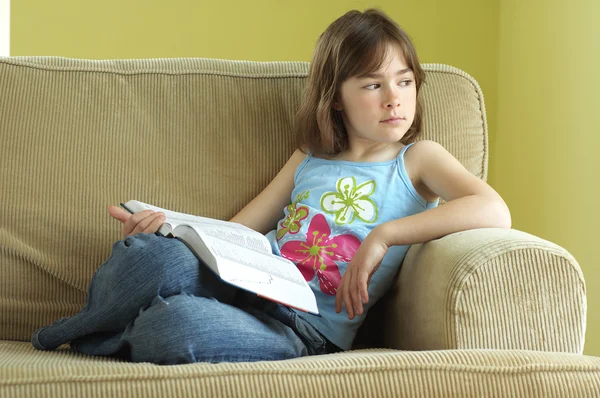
(350, 201)
(319, 253)
(296, 214)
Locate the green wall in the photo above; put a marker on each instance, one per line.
(544, 160)
(497, 42)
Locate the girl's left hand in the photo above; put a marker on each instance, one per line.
(352, 290)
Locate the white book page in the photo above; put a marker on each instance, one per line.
(231, 232)
(268, 263)
(239, 237)
(270, 287)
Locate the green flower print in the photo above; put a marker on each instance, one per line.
(296, 214)
(291, 223)
(301, 196)
(351, 201)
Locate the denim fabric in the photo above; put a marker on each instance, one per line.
(152, 300)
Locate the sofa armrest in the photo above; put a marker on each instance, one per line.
(485, 288)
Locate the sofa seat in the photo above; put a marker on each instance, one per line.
(25, 371)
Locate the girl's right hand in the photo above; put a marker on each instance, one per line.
(147, 221)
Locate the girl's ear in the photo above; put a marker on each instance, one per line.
(337, 106)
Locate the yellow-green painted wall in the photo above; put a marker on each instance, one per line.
(484, 38)
(463, 35)
(545, 160)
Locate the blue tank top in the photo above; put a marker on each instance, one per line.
(334, 206)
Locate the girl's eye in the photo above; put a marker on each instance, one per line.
(403, 83)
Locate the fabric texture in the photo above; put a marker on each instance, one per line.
(499, 288)
(334, 206)
(26, 372)
(499, 312)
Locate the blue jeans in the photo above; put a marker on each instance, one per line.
(152, 300)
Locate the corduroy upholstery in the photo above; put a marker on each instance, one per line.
(486, 312)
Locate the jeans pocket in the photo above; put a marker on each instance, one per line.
(314, 341)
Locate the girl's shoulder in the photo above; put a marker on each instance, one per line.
(413, 161)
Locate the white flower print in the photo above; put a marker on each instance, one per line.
(351, 201)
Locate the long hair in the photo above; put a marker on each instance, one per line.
(355, 44)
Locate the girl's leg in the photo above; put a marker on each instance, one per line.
(140, 268)
(185, 329)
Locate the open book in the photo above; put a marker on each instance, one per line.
(238, 255)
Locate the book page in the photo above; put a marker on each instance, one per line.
(268, 263)
(238, 237)
(231, 232)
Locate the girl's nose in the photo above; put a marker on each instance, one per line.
(393, 100)
(393, 103)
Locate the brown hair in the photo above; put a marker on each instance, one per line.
(355, 44)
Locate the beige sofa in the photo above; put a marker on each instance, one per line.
(480, 313)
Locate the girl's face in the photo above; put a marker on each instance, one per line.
(367, 102)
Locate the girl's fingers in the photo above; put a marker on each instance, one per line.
(138, 222)
(338, 298)
(145, 223)
(351, 294)
(118, 213)
(348, 301)
(155, 224)
(354, 293)
(133, 221)
(363, 284)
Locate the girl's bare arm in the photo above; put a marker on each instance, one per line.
(263, 212)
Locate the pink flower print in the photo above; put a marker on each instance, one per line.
(291, 223)
(319, 253)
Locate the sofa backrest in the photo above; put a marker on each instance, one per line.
(201, 136)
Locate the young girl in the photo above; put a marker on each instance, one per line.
(345, 208)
